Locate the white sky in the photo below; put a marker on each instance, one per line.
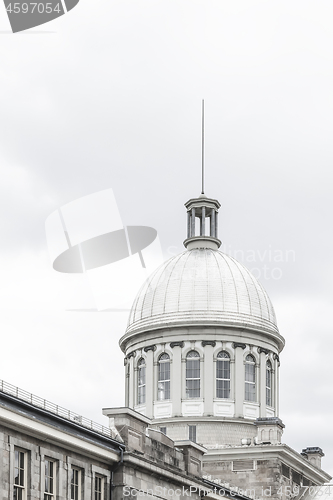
(109, 95)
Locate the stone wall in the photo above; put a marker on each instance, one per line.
(36, 451)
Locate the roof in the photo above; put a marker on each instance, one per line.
(202, 286)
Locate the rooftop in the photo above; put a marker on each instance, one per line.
(52, 408)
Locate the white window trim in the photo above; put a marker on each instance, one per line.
(103, 482)
(218, 378)
(197, 358)
(163, 382)
(24, 488)
(79, 470)
(269, 388)
(254, 364)
(53, 495)
(139, 386)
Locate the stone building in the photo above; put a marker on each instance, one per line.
(50, 453)
(201, 418)
(202, 357)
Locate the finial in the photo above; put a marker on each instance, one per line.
(203, 147)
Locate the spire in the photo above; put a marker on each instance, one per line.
(203, 147)
(203, 234)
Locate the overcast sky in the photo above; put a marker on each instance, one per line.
(109, 96)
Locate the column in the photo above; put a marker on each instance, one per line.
(150, 381)
(276, 395)
(131, 383)
(203, 222)
(127, 375)
(208, 377)
(188, 224)
(212, 223)
(216, 225)
(262, 383)
(193, 223)
(176, 378)
(239, 378)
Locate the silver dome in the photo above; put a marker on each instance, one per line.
(202, 287)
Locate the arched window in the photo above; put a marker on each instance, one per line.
(141, 381)
(193, 375)
(268, 383)
(163, 388)
(223, 375)
(250, 378)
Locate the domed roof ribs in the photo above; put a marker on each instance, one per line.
(221, 280)
(246, 286)
(168, 281)
(148, 282)
(186, 258)
(233, 280)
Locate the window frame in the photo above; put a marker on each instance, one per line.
(221, 360)
(79, 483)
(250, 395)
(17, 487)
(141, 387)
(192, 433)
(50, 495)
(269, 386)
(192, 392)
(163, 384)
(99, 477)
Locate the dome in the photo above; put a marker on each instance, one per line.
(205, 287)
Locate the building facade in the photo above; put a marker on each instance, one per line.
(202, 358)
(201, 418)
(50, 453)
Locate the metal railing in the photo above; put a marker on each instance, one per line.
(46, 405)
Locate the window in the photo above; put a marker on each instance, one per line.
(99, 488)
(268, 383)
(76, 484)
(250, 378)
(141, 381)
(192, 433)
(163, 430)
(223, 375)
(163, 391)
(20, 475)
(193, 375)
(49, 487)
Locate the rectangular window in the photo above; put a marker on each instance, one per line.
(49, 486)
(296, 477)
(285, 470)
(99, 488)
(20, 475)
(250, 382)
(163, 391)
(268, 387)
(192, 432)
(76, 484)
(163, 430)
(141, 382)
(241, 465)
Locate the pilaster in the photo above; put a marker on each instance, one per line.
(262, 384)
(239, 378)
(176, 379)
(208, 374)
(149, 381)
